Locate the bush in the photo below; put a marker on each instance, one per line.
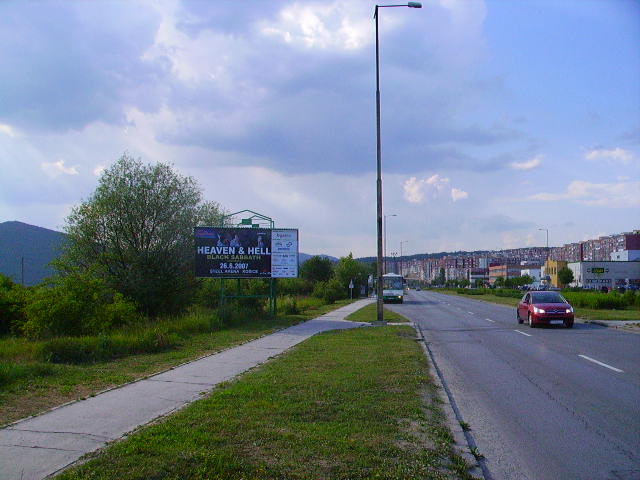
(504, 292)
(294, 286)
(595, 300)
(470, 291)
(329, 291)
(13, 298)
(76, 304)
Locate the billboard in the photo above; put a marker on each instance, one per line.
(223, 252)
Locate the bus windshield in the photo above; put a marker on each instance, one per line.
(392, 283)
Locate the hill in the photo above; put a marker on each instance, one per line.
(37, 247)
(303, 257)
(27, 250)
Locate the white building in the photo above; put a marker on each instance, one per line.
(625, 256)
(605, 274)
(534, 273)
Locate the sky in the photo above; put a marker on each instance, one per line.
(499, 118)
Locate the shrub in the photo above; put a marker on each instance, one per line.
(289, 305)
(13, 298)
(504, 292)
(329, 291)
(294, 286)
(208, 293)
(76, 304)
(595, 300)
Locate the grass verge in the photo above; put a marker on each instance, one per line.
(368, 314)
(31, 386)
(327, 409)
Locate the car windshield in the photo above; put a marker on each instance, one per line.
(547, 297)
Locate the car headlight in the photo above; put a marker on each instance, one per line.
(570, 310)
(538, 310)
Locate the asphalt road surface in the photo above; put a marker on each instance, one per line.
(544, 403)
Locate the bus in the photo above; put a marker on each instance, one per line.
(392, 288)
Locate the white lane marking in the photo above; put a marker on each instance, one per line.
(522, 333)
(470, 312)
(601, 364)
(489, 320)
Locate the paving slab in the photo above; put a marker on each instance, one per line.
(40, 446)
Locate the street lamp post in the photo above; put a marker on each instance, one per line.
(401, 257)
(385, 239)
(547, 249)
(379, 316)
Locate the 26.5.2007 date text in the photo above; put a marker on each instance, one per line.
(235, 266)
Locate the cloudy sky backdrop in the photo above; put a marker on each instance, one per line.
(498, 117)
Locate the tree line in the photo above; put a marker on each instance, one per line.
(129, 257)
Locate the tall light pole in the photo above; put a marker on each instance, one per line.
(546, 230)
(401, 263)
(379, 316)
(385, 239)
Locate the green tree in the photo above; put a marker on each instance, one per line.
(441, 277)
(137, 227)
(347, 269)
(565, 276)
(317, 269)
(499, 282)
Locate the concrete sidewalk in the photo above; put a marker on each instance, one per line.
(43, 445)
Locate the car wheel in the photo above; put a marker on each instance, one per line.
(518, 317)
(530, 321)
(568, 324)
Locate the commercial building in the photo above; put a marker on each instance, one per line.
(611, 275)
(505, 271)
(550, 272)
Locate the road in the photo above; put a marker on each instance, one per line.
(543, 403)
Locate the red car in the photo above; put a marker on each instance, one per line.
(545, 308)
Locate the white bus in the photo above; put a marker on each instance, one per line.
(392, 288)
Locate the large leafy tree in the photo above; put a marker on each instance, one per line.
(137, 227)
(348, 269)
(317, 269)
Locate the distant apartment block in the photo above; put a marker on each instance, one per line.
(488, 265)
(598, 249)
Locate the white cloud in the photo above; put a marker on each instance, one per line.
(533, 163)
(98, 170)
(414, 189)
(321, 26)
(7, 130)
(613, 195)
(611, 155)
(457, 194)
(54, 169)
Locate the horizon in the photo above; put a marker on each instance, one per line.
(371, 256)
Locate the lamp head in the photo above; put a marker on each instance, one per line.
(414, 5)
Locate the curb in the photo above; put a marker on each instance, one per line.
(625, 325)
(463, 441)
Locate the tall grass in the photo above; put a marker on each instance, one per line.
(149, 337)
